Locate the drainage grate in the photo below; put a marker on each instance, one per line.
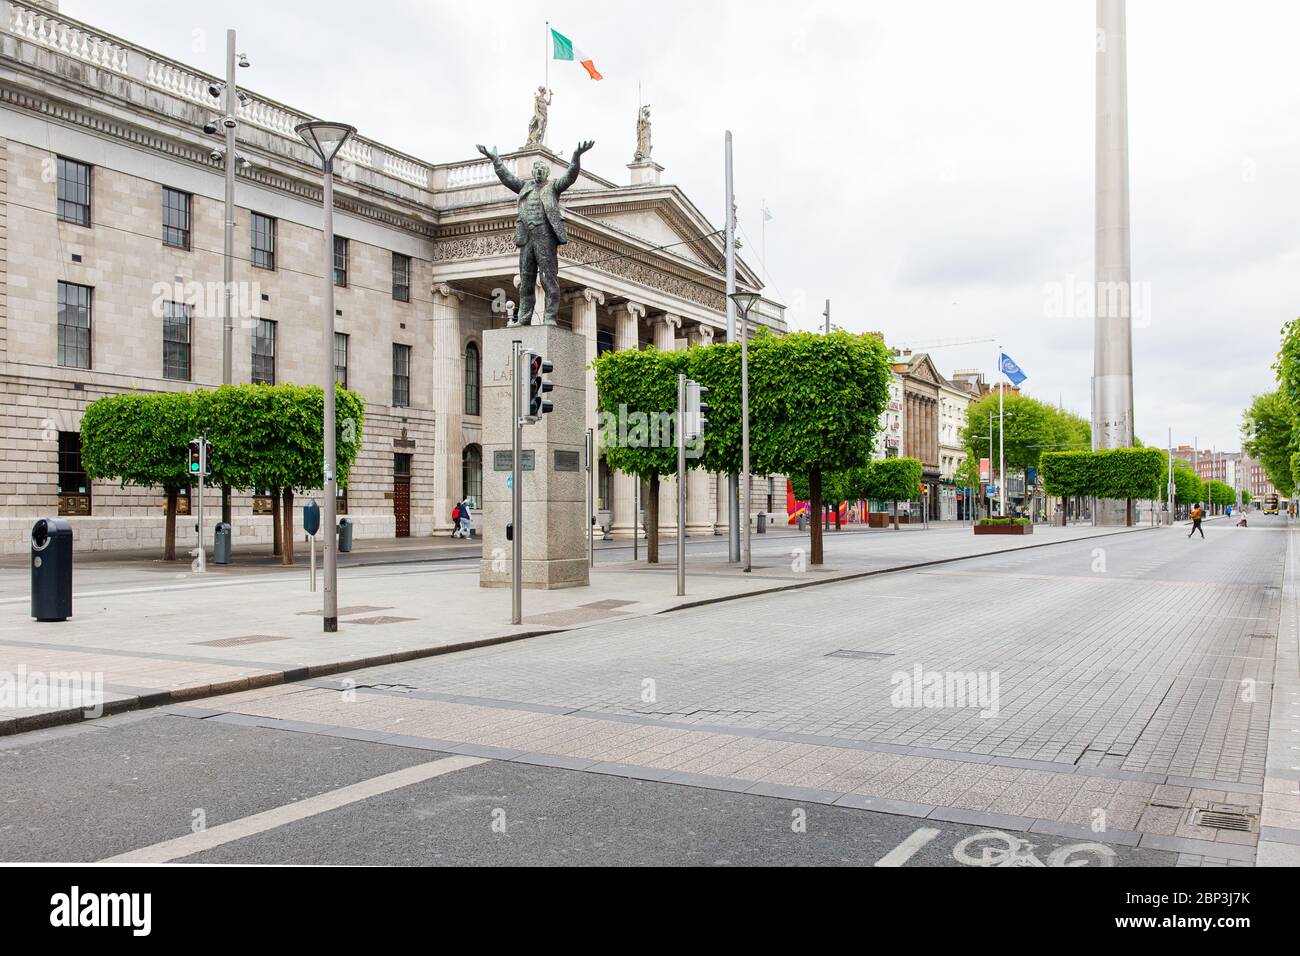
(237, 641)
(1262, 637)
(1224, 817)
(380, 619)
(860, 655)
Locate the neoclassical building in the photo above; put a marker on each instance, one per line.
(111, 259)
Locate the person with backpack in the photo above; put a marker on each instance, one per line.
(456, 527)
(1197, 515)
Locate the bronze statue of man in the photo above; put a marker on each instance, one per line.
(539, 230)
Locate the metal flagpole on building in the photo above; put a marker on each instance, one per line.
(733, 488)
(228, 263)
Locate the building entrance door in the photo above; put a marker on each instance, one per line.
(402, 494)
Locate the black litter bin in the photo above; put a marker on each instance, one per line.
(345, 534)
(51, 570)
(221, 543)
(762, 522)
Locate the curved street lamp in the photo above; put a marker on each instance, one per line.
(744, 302)
(326, 140)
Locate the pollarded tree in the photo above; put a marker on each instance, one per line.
(1268, 434)
(142, 440)
(894, 480)
(815, 404)
(1128, 473)
(637, 398)
(1068, 474)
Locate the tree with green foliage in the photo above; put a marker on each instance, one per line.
(894, 480)
(1067, 474)
(1188, 487)
(1269, 435)
(1030, 427)
(637, 398)
(263, 436)
(141, 440)
(815, 405)
(1121, 473)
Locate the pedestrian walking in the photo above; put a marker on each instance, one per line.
(466, 522)
(1197, 515)
(455, 520)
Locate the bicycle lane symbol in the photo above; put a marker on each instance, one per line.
(995, 848)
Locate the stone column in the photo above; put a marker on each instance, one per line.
(584, 324)
(448, 402)
(665, 340)
(626, 318)
(699, 487)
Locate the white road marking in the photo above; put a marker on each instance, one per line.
(192, 843)
(908, 848)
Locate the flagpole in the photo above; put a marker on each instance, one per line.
(1002, 454)
(546, 74)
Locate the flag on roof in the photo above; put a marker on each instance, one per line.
(563, 49)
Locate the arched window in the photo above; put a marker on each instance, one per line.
(471, 475)
(472, 367)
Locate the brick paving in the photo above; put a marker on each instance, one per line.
(1121, 695)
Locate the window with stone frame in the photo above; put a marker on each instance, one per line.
(263, 243)
(401, 375)
(176, 218)
(473, 371)
(74, 191)
(75, 303)
(340, 262)
(471, 474)
(401, 277)
(176, 341)
(263, 370)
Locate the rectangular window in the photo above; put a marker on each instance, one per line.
(264, 353)
(401, 375)
(176, 341)
(74, 191)
(401, 277)
(341, 358)
(74, 486)
(176, 218)
(340, 262)
(263, 241)
(74, 325)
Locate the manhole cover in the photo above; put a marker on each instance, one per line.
(860, 655)
(237, 641)
(1224, 817)
(380, 619)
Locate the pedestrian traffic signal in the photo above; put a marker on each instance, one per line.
(200, 458)
(696, 410)
(538, 386)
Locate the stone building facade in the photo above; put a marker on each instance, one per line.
(111, 258)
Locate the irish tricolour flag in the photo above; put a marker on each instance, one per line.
(565, 50)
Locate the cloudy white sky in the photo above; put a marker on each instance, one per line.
(929, 164)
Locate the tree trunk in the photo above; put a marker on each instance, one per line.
(815, 506)
(837, 517)
(276, 549)
(1065, 511)
(1128, 512)
(287, 538)
(894, 512)
(169, 535)
(652, 521)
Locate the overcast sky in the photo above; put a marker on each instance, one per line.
(929, 165)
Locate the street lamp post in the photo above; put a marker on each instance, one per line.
(326, 140)
(744, 302)
(230, 123)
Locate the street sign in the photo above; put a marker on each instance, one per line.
(986, 469)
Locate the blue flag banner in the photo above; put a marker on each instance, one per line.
(1011, 370)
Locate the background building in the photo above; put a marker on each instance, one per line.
(111, 258)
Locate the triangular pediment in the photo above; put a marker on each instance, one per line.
(922, 368)
(655, 222)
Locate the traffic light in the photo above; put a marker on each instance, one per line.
(538, 405)
(200, 458)
(696, 410)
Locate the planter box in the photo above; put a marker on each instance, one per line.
(882, 519)
(1004, 529)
